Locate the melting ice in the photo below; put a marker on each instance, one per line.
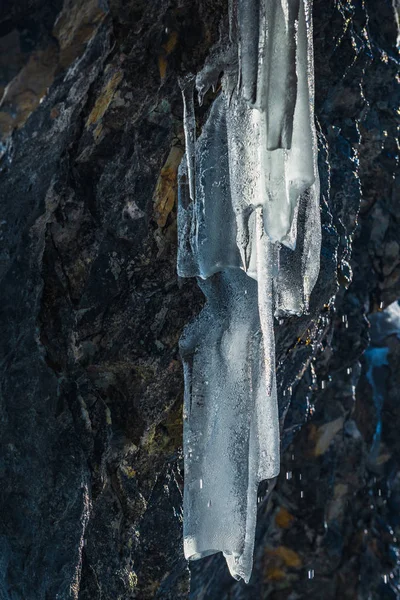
(249, 230)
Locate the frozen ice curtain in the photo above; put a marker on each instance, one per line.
(249, 230)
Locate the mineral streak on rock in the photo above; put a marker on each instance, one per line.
(250, 231)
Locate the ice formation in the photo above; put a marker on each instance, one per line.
(249, 230)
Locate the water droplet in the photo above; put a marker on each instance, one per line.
(288, 475)
(209, 504)
(201, 484)
(349, 371)
(311, 574)
(385, 579)
(301, 494)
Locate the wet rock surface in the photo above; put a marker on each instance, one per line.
(92, 310)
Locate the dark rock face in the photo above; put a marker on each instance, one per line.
(92, 310)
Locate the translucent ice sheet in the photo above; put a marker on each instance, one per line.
(249, 230)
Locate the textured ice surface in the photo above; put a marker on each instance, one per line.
(249, 229)
(231, 429)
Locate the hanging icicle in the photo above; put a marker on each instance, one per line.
(249, 229)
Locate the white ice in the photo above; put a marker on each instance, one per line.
(249, 229)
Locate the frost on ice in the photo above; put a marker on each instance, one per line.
(249, 230)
